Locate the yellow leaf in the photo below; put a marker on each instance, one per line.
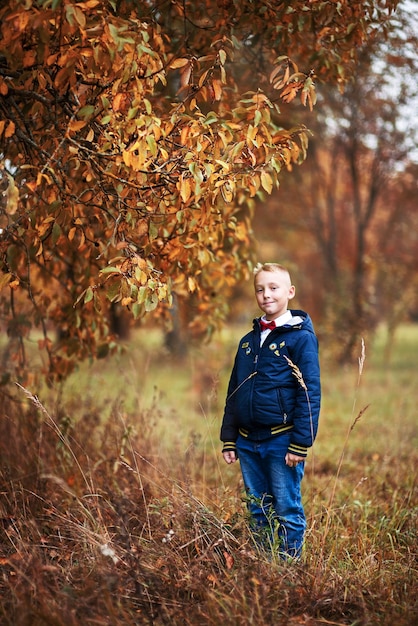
(12, 196)
(140, 276)
(266, 182)
(40, 176)
(185, 189)
(227, 191)
(191, 283)
(174, 65)
(5, 280)
(127, 157)
(90, 4)
(251, 134)
(137, 160)
(253, 185)
(224, 164)
(203, 78)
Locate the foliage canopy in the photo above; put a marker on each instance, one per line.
(135, 138)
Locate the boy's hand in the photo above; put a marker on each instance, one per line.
(292, 459)
(229, 456)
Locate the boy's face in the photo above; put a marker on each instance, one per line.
(273, 290)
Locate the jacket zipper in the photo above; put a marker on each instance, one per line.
(252, 383)
(282, 406)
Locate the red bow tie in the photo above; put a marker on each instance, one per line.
(267, 325)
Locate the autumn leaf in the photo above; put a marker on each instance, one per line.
(10, 129)
(229, 560)
(5, 279)
(76, 125)
(266, 181)
(3, 87)
(178, 63)
(12, 196)
(126, 136)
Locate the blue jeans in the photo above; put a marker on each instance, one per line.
(273, 494)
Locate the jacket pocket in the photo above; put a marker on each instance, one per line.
(282, 405)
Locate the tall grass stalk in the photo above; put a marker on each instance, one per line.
(330, 505)
(52, 423)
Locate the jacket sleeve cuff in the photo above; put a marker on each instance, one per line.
(229, 446)
(295, 448)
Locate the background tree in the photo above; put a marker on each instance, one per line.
(353, 196)
(395, 262)
(134, 140)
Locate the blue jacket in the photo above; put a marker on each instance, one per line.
(275, 388)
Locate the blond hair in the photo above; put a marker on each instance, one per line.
(270, 267)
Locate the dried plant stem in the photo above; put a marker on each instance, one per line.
(52, 423)
(298, 375)
(340, 462)
(138, 477)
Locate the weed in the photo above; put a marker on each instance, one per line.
(115, 509)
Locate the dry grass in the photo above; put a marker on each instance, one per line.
(124, 516)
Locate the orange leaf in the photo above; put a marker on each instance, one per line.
(75, 125)
(184, 134)
(10, 129)
(119, 102)
(217, 89)
(229, 560)
(32, 185)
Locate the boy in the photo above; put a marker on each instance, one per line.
(272, 410)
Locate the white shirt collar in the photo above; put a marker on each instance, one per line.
(282, 319)
(279, 321)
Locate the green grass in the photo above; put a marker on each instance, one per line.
(118, 509)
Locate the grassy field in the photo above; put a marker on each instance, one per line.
(117, 508)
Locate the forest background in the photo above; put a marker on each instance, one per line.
(152, 152)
